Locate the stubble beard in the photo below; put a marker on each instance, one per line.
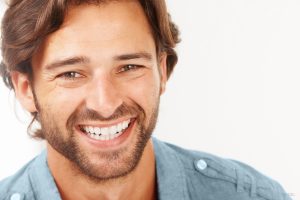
(100, 166)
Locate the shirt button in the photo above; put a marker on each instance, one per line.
(201, 164)
(15, 196)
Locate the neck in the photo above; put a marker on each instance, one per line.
(139, 184)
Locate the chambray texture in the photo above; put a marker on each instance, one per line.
(181, 175)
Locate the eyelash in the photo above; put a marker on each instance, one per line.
(129, 67)
(73, 75)
(70, 75)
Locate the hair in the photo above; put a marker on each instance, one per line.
(26, 23)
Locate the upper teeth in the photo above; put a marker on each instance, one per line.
(111, 130)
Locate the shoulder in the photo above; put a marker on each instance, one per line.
(211, 175)
(18, 184)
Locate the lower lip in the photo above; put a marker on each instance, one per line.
(116, 142)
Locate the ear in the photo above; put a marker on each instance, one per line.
(23, 91)
(163, 72)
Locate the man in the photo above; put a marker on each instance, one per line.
(91, 74)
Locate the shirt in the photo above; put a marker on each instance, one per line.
(181, 175)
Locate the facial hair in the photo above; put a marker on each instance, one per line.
(99, 166)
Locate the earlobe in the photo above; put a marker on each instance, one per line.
(23, 91)
(163, 72)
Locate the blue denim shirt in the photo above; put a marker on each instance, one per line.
(181, 175)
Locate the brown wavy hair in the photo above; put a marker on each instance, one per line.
(26, 23)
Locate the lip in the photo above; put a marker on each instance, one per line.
(103, 125)
(115, 143)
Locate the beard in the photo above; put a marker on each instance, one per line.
(99, 166)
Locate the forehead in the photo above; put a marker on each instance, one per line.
(100, 31)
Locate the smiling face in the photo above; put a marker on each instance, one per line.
(97, 83)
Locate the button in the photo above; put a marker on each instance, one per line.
(15, 196)
(201, 164)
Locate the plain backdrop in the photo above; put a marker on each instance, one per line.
(234, 92)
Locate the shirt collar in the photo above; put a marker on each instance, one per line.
(42, 180)
(171, 180)
(169, 172)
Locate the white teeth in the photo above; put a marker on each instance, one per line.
(106, 137)
(124, 125)
(112, 130)
(106, 133)
(119, 127)
(90, 129)
(97, 131)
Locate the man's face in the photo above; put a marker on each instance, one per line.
(97, 86)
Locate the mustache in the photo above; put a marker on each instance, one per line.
(86, 114)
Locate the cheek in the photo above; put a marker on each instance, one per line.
(60, 104)
(144, 92)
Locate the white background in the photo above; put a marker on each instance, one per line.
(235, 91)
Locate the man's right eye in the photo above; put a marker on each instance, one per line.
(70, 75)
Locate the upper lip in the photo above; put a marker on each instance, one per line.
(103, 125)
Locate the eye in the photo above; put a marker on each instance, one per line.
(129, 67)
(70, 75)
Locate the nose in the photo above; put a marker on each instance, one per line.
(104, 96)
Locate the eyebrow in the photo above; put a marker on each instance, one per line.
(85, 60)
(68, 61)
(140, 55)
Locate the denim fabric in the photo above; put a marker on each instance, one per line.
(194, 175)
(181, 175)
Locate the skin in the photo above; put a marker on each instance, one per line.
(102, 83)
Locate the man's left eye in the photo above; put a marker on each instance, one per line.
(129, 67)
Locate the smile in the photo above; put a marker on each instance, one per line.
(105, 133)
